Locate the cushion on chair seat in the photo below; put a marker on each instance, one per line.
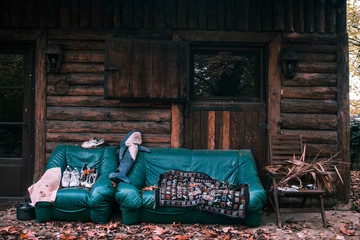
(78, 197)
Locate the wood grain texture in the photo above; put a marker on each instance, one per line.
(40, 106)
(176, 125)
(211, 130)
(274, 86)
(155, 70)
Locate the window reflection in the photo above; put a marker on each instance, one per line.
(10, 141)
(11, 70)
(226, 74)
(11, 105)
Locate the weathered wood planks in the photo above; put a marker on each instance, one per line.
(256, 15)
(309, 101)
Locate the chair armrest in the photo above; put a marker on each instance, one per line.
(102, 191)
(128, 196)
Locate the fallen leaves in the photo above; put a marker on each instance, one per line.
(355, 189)
(9, 230)
(346, 231)
(116, 230)
(182, 237)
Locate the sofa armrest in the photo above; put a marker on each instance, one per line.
(102, 191)
(258, 199)
(128, 196)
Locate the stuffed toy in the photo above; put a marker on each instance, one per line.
(128, 150)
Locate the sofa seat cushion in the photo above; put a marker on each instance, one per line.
(78, 197)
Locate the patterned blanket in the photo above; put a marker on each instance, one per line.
(196, 189)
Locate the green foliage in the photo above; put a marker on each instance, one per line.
(217, 75)
(11, 81)
(354, 136)
(11, 104)
(353, 28)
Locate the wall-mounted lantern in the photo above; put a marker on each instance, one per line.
(289, 61)
(54, 56)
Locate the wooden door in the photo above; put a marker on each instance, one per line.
(228, 105)
(227, 127)
(16, 121)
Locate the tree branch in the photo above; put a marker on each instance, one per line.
(207, 83)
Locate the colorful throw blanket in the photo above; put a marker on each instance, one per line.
(196, 189)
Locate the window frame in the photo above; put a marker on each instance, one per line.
(260, 49)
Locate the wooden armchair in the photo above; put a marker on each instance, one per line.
(283, 148)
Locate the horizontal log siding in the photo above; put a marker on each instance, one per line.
(231, 15)
(83, 113)
(309, 100)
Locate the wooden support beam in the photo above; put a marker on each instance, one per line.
(177, 139)
(274, 86)
(343, 114)
(40, 106)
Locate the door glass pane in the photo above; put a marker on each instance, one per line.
(10, 141)
(11, 105)
(226, 74)
(11, 70)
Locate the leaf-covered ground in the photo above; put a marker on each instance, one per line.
(355, 189)
(342, 225)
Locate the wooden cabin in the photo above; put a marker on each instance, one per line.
(200, 74)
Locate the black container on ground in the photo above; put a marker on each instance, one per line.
(24, 211)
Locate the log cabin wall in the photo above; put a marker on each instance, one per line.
(313, 103)
(308, 103)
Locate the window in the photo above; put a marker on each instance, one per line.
(227, 73)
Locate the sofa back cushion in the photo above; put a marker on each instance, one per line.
(104, 159)
(230, 165)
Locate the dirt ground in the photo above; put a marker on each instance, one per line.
(343, 224)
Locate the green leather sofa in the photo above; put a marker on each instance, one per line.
(80, 204)
(234, 166)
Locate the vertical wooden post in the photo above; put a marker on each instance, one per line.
(177, 119)
(342, 55)
(211, 130)
(343, 114)
(274, 85)
(40, 106)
